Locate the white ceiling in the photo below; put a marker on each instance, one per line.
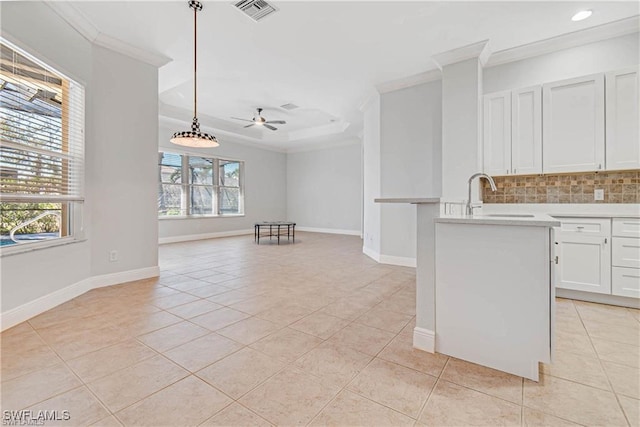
(325, 57)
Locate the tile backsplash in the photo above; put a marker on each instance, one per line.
(618, 186)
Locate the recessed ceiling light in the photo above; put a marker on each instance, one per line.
(583, 14)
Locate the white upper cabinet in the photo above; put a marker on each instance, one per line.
(526, 131)
(573, 125)
(623, 114)
(512, 132)
(497, 133)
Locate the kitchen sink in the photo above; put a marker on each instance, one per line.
(510, 215)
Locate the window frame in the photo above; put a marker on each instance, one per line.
(72, 207)
(187, 186)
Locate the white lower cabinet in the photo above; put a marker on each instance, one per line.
(625, 258)
(599, 255)
(584, 262)
(625, 282)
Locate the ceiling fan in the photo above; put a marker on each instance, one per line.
(261, 121)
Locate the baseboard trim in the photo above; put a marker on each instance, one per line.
(598, 298)
(329, 231)
(371, 254)
(124, 277)
(424, 339)
(389, 259)
(398, 260)
(26, 311)
(203, 236)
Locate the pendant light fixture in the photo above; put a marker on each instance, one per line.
(195, 138)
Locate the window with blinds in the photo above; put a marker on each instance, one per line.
(199, 186)
(41, 150)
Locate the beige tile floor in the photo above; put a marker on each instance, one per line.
(313, 333)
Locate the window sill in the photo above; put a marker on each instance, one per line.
(24, 248)
(181, 217)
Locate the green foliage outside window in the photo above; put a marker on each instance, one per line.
(12, 214)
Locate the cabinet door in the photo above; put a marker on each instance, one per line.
(573, 125)
(526, 131)
(497, 133)
(584, 262)
(623, 115)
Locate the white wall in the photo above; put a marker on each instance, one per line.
(121, 145)
(461, 114)
(371, 177)
(605, 55)
(410, 150)
(265, 174)
(324, 188)
(122, 163)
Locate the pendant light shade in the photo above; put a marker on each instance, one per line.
(195, 138)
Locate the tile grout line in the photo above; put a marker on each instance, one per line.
(613, 390)
(82, 383)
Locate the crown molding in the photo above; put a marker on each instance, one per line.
(78, 21)
(368, 101)
(111, 43)
(566, 41)
(478, 50)
(328, 145)
(278, 139)
(282, 147)
(75, 18)
(409, 81)
(318, 131)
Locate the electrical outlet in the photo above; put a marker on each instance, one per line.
(113, 256)
(598, 194)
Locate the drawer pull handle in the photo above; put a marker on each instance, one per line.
(633, 277)
(630, 246)
(580, 227)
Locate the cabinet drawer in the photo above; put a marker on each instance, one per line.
(625, 252)
(590, 226)
(625, 282)
(626, 227)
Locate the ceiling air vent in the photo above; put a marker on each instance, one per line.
(256, 9)
(289, 106)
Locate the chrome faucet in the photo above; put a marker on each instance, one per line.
(476, 175)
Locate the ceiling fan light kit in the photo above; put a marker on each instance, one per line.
(261, 121)
(194, 137)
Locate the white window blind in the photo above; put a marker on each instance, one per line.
(41, 131)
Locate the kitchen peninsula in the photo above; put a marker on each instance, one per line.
(484, 289)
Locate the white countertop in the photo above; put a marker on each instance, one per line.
(567, 210)
(412, 200)
(532, 220)
(594, 215)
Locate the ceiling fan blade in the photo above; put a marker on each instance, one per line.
(244, 120)
(269, 127)
(277, 122)
(248, 126)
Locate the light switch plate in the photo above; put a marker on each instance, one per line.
(598, 194)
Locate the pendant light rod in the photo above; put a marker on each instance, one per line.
(194, 137)
(196, 6)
